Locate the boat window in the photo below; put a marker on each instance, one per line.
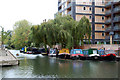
(77, 52)
(94, 51)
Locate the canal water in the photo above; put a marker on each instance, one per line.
(38, 66)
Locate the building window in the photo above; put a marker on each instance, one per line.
(90, 17)
(102, 1)
(84, 8)
(102, 17)
(102, 26)
(102, 9)
(103, 34)
(90, 8)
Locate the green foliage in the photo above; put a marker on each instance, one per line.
(62, 30)
(21, 33)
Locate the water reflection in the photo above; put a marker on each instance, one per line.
(41, 67)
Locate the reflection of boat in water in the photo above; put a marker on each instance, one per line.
(64, 53)
(91, 54)
(76, 54)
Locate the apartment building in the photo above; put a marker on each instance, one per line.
(112, 21)
(93, 10)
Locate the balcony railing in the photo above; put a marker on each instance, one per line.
(117, 19)
(60, 10)
(69, 12)
(116, 28)
(60, 4)
(108, 4)
(108, 21)
(107, 37)
(108, 29)
(69, 5)
(116, 36)
(108, 12)
(117, 9)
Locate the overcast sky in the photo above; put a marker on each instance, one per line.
(34, 11)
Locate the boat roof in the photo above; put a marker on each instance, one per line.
(76, 49)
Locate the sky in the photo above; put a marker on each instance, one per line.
(34, 11)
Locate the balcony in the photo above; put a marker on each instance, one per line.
(60, 10)
(70, 12)
(108, 29)
(108, 21)
(108, 4)
(117, 9)
(107, 13)
(116, 28)
(69, 5)
(117, 19)
(117, 36)
(60, 4)
(107, 37)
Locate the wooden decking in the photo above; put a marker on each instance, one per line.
(7, 58)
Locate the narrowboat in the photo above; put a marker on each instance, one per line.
(64, 53)
(43, 52)
(36, 51)
(22, 50)
(52, 53)
(110, 55)
(91, 53)
(107, 54)
(76, 54)
(29, 50)
(102, 54)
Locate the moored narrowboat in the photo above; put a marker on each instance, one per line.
(43, 52)
(110, 55)
(22, 50)
(102, 54)
(76, 54)
(91, 53)
(64, 53)
(52, 53)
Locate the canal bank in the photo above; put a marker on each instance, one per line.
(51, 67)
(7, 58)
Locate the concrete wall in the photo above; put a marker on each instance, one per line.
(98, 46)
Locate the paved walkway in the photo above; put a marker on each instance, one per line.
(6, 58)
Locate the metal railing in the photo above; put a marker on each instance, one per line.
(60, 11)
(108, 12)
(117, 28)
(69, 5)
(108, 28)
(60, 4)
(69, 12)
(117, 9)
(108, 4)
(117, 19)
(116, 36)
(108, 21)
(107, 37)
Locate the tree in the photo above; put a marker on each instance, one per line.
(7, 38)
(63, 30)
(84, 28)
(20, 33)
